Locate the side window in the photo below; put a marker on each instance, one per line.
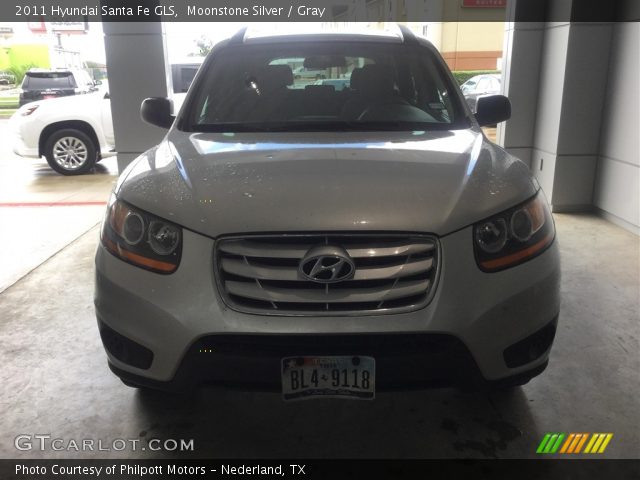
(484, 85)
(188, 73)
(432, 96)
(84, 79)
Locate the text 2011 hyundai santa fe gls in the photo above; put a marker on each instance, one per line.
(288, 235)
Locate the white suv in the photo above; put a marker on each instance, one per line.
(73, 132)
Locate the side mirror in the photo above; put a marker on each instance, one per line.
(157, 111)
(492, 109)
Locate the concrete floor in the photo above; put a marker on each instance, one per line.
(45, 210)
(55, 379)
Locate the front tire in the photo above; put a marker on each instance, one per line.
(70, 152)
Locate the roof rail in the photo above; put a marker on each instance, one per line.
(407, 35)
(238, 37)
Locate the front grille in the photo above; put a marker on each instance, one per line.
(393, 273)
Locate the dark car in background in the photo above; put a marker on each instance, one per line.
(480, 86)
(40, 84)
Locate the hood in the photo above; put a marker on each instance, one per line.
(216, 183)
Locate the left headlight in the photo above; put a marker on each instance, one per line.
(140, 238)
(27, 110)
(514, 236)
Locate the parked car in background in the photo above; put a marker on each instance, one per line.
(480, 86)
(72, 132)
(337, 83)
(7, 78)
(75, 132)
(309, 73)
(41, 84)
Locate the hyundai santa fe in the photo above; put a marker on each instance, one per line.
(322, 242)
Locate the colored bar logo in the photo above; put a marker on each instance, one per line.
(574, 443)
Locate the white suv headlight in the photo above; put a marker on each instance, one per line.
(28, 109)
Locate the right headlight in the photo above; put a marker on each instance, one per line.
(140, 238)
(514, 236)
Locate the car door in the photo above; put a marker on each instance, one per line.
(107, 122)
(482, 89)
(484, 86)
(495, 86)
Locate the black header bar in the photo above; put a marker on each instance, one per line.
(316, 10)
(306, 469)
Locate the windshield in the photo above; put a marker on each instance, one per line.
(48, 80)
(323, 86)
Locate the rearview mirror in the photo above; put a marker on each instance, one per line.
(492, 109)
(157, 111)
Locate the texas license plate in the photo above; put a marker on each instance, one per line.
(352, 377)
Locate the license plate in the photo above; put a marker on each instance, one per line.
(352, 377)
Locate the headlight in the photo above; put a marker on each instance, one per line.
(514, 236)
(28, 110)
(140, 238)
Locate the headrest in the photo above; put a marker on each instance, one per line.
(377, 80)
(355, 81)
(271, 77)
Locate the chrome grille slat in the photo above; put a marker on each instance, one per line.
(277, 295)
(251, 249)
(260, 274)
(256, 249)
(360, 252)
(246, 269)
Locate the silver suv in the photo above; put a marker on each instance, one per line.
(326, 243)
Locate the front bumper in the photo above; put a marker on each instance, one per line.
(22, 149)
(463, 332)
(24, 143)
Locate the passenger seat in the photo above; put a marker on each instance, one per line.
(374, 86)
(268, 99)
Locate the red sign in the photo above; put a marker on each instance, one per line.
(484, 3)
(37, 26)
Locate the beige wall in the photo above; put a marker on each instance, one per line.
(471, 36)
(472, 45)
